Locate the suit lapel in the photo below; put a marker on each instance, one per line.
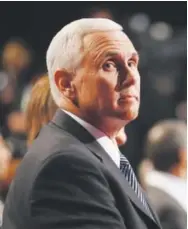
(94, 146)
(65, 122)
(152, 211)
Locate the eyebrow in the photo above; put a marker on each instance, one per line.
(114, 53)
(136, 54)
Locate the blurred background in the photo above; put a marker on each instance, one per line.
(157, 29)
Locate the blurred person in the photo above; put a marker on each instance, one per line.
(36, 108)
(100, 12)
(12, 149)
(165, 172)
(73, 175)
(15, 140)
(15, 74)
(40, 108)
(14, 146)
(17, 137)
(144, 167)
(15, 57)
(5, 157)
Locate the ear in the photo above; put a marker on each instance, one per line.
(63, 81)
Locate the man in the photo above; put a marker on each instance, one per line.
(71, 177)
(166, 148)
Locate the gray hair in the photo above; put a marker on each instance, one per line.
(65, 49)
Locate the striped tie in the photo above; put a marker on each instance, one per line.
(127, 170)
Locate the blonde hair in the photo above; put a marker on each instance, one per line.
(40, 108)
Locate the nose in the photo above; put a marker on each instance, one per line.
(127, 78)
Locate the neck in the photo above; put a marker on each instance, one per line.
(109, 126)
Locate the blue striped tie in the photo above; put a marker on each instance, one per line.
(127, 170)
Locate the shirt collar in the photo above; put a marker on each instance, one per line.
(106, 143)
(173, 185)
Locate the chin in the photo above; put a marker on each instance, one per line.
(129, 111)
(129, 115)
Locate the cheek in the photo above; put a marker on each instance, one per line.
(88, 92)
(106, 88)
(106, 94)
(107, 81)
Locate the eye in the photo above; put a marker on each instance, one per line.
(132, 63)
(109, 66)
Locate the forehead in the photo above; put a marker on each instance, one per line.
(100, 44)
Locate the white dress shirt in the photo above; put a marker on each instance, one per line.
(106, 143)
(175, 186)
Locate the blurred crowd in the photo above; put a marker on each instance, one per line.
(163, 56)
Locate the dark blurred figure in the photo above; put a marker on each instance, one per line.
(15, 85)
(16, 57)
(15, 74)
(16, 63)
(5, 158)
(17, 137)
(12, 150)
(101, 12)
(37, 110)
(15, 146)
(165, 172)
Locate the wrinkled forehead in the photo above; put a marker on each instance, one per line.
(100, 44)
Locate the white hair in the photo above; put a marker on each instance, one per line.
(64, 51)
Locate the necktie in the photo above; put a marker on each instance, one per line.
(127, 170)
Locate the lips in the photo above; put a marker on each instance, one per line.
(128, 97)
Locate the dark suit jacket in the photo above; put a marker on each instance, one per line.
(171, 214)
(67, 181)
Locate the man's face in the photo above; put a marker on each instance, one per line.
(108, 82)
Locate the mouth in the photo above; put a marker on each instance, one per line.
(128, 97)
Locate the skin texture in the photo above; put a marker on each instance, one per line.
(121, 137)
(37, 116)
(105, 89)
(180, 169)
